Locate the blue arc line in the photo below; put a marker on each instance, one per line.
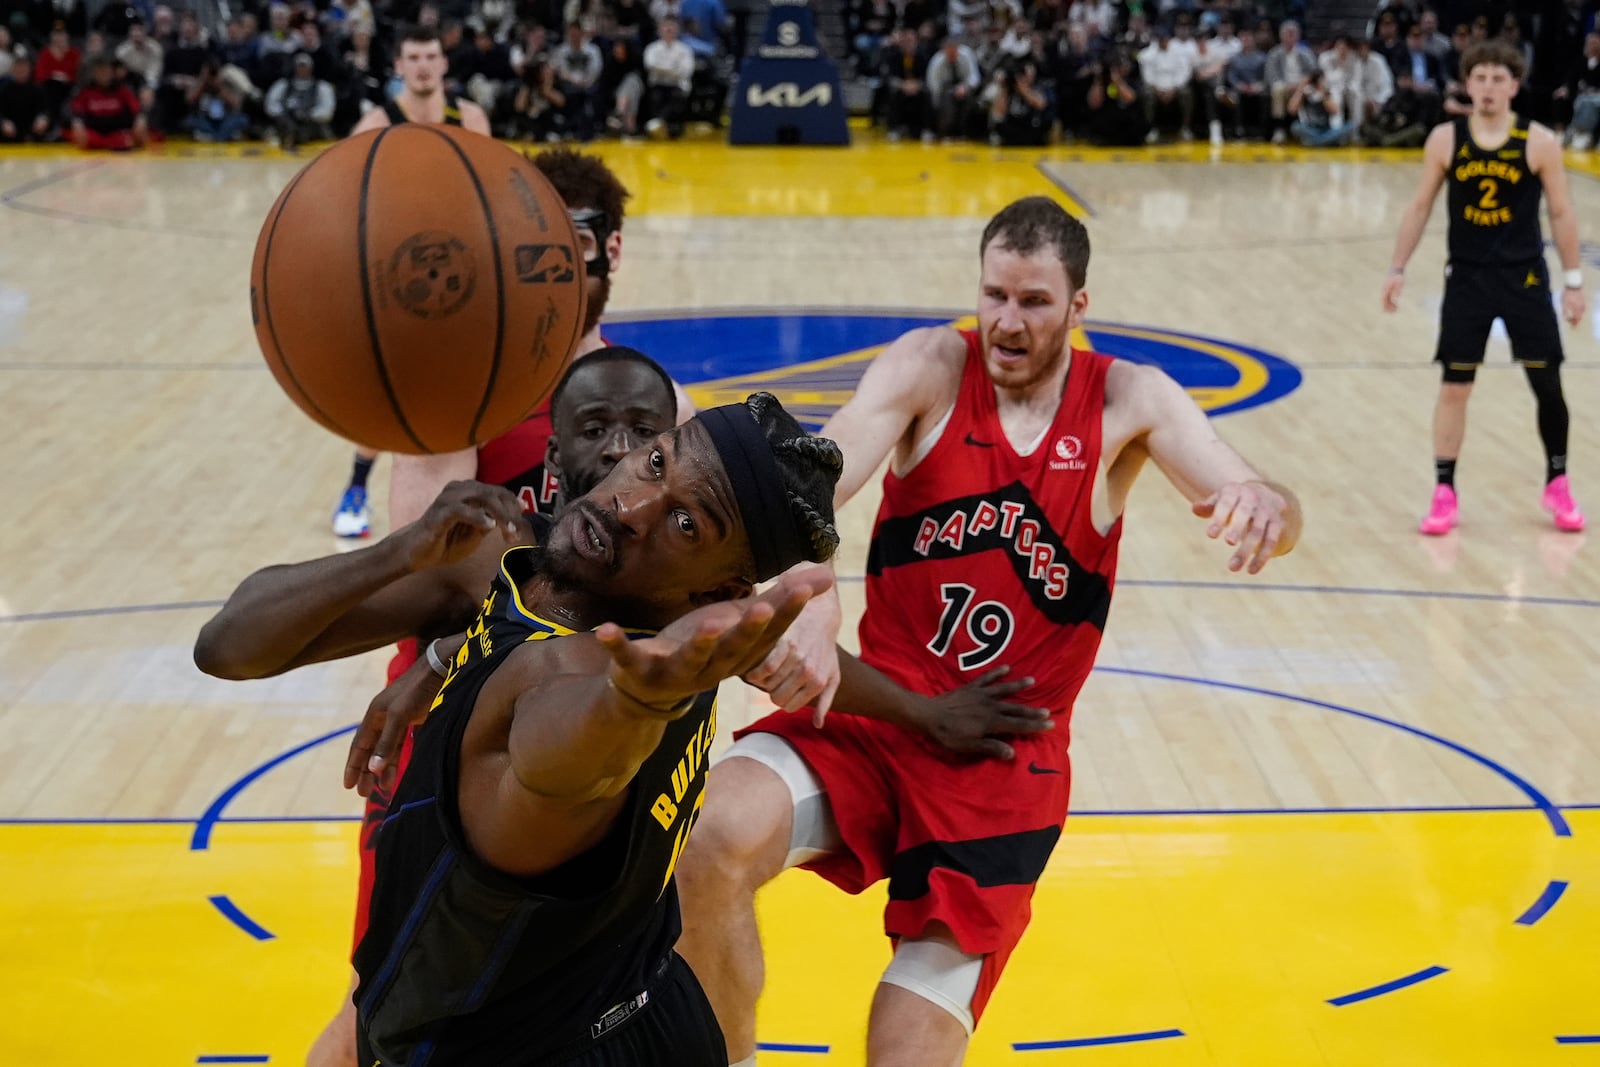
(1552, 814)
(232, 1059)
(1389, 987)
(1541, 907)
(1090, 1042)
(783, 1046)
(231, 912)
(202, 827)
(1578, 1039)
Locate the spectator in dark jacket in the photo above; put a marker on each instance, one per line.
(24, 114)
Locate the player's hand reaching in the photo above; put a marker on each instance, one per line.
(803, 668)
(1251, 517)
(1393, 285)
(457, 521)
(718, 641)
(1572, 306)
(972, 719)
(376, 744)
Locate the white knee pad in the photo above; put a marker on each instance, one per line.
(935, 969)
(815, 833)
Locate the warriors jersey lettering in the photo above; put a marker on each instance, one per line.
(991, 555)
(1494, 200)
(463, 964)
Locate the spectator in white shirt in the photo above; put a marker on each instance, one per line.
(1342, 69)
(1215, 53)
(1374, 87)
(1166, 72)
(142, 55)
(669, 73)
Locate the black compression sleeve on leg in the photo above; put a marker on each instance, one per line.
(1553, 419)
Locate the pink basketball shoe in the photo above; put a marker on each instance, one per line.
(1558, 502)
(1441, 517)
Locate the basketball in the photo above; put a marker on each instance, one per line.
(418, 288)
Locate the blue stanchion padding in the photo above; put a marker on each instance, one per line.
(789, 90)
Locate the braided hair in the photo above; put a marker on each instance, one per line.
(811, 467)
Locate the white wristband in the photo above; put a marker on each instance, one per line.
(1574, 279)
(435, 662)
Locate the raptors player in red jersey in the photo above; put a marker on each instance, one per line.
(1011, 457)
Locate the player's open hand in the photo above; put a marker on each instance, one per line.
(377, 742)
(1249, 516)
(709, 644)
(457, 521)
(1393, 285)
(803, 668)
(1572, 306)
(972, 719)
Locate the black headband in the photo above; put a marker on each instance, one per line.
(757, 483)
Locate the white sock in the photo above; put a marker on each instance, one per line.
(750, 1062)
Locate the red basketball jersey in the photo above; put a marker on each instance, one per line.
(515, 460)
(983, 557)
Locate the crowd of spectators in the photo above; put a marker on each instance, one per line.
(1012, 72)
(545, 70)
(1126, 72)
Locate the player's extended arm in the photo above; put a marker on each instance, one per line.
(1261, 519)
(970, 719)
(591, 708)
(426, 577)
(1435, 166)
(474, 118)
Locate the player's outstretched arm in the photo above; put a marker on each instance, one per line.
(971, 719)
(474, 118)
(1435, 166)
(422, 578)
(1259, 518)
(588, 710)
(912, 380)
(1545, 158)
(415, 481)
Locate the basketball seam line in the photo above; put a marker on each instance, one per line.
(366, 289)
(499, 284)
(266, 305)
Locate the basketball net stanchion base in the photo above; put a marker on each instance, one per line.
(789, 91)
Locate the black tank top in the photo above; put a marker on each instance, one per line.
(452, 110)
(463, 964)
(1494, 201)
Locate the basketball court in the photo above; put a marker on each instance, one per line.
(1342, 813)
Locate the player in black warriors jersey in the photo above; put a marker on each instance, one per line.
(1497, 164)
(525, 911)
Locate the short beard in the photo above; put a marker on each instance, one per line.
(599, 295)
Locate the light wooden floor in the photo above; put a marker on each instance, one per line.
(1375, 760)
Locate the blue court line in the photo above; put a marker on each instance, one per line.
(233, 1059)
(1060, 183)
(36, 184)
(122, 609)
(1552, 814)
(1541, 907)
(202, 827)
(231, 912)
(1148, 583)
(1578, 1039)
(1090, 1042)
(782, 1046)
(1389, 987)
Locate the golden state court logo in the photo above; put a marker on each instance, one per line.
(812, 359)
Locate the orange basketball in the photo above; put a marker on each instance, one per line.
(418, 288)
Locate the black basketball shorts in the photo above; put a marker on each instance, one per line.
(1475, 296)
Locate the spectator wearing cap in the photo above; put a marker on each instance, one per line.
(301, 106)
(106, 115)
